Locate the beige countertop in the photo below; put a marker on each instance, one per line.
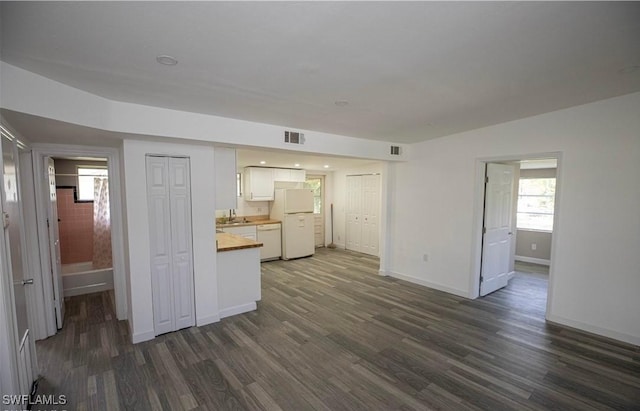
(254, 222)
(230, 242)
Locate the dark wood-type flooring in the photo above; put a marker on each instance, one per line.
(331, 334)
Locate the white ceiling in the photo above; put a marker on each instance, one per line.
(410, 71)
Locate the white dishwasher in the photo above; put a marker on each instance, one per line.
(271, 238)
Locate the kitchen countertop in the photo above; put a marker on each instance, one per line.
(230, 242)
(254, 222)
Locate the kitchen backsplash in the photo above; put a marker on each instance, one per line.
(247, 208)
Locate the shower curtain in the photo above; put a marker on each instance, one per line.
(101, 224)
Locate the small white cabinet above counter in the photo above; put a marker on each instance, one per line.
(259, 182)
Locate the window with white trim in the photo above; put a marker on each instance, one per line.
(86, 175)
(536, 201)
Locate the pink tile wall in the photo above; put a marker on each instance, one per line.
(76, 228)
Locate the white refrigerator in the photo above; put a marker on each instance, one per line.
(294, 207)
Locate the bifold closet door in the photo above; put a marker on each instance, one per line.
(370, 214)
(169, 202)
(363, 213)
(354, 213)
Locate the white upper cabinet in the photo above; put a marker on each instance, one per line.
(281, 174)
(258, 184)
(226, 180)
(298, 176)
(289, 175)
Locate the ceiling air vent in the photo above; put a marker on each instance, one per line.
(395, 150)
(293, 137)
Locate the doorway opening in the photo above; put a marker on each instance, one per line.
(82, 250)
(515, 220)
(84, 225)
(316, 183)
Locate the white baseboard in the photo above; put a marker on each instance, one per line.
(209, 319)
(143, 336)
(593, 329)
(533, 260)
(238, 309)
(429, 284)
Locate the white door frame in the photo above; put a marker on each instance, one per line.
(9, 374)
(35, 305)
(478, 216)
(322, 214)
(40, 151)
(55, 257)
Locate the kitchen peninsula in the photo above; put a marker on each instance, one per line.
(238, 264)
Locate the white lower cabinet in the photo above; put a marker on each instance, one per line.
(169, 204)
(238, 281)
(247, 231)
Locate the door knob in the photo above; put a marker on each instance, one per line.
(27, 281)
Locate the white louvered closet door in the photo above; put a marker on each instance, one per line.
(169, 202)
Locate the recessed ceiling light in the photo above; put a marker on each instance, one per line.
(341, 103)
(263, 162)
(629, 69)
(166, 60)
(296, 165)
(326, 166)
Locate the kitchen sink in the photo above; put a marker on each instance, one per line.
(243, 221)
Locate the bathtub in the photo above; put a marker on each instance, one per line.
(82, 278)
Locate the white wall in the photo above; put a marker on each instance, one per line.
(137, 232)
(595, 274)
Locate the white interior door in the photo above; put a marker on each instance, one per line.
(181, 242)
(496, 240)
(54, 242)
(363, 209)
(169, 203)
(160, 243)
(354, 217)
(370, 212)
(13, 234)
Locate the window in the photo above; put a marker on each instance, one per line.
(85, 181)
(536, 199)
(315, 183)
(239, 184)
